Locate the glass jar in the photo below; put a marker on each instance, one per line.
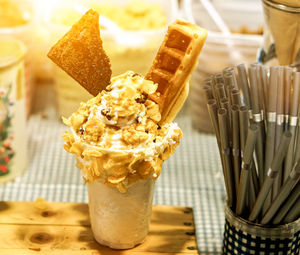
(17, 21)
(244, 237)
(281, 32)
(13, 139)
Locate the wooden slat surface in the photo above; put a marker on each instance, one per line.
(64, 228)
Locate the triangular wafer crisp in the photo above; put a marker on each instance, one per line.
(80, 54)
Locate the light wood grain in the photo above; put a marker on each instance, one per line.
(84, 252)
(64, 228)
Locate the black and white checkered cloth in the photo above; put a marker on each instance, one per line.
(191, 177)
(245, 238)
(236, 241)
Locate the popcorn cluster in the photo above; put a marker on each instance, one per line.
(116, 136)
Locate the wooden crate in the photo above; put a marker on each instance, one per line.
(64, 228)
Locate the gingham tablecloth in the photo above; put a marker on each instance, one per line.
(191, 177)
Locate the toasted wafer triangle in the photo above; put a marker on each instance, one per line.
(173, 65)
(79, 53)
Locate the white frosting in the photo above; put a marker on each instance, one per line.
(107, 112)
(117, 89)
(148, 149)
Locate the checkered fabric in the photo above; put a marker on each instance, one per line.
(237, 241)
(191, 177)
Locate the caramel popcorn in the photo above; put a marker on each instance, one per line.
(94, 129)
(116, 136)
(153, 111)
(134, 137)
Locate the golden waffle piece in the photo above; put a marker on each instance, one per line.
(173, 65)
(80, 54)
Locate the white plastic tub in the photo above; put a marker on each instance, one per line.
(219, 50)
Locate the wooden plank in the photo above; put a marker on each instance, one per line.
(43, 212)
(27, 227)
(77, 213)
(81, 238)
(80, 252)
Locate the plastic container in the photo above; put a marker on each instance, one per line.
(219, 50)
(24, 33)
(13, 139)
(124, 54)
(120, 220)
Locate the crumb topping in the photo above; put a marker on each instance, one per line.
(116, 136)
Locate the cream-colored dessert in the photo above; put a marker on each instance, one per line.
(116, 135)
(12, 14)
(122, 136)
(135, 15)
(120, 149)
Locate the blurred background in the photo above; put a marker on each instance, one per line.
(239, 31)
(34, 93)
(131, 34)
(132, 31)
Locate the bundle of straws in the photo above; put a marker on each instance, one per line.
(255, 116)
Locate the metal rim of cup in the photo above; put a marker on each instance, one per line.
(274, 232)
(286, 8)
